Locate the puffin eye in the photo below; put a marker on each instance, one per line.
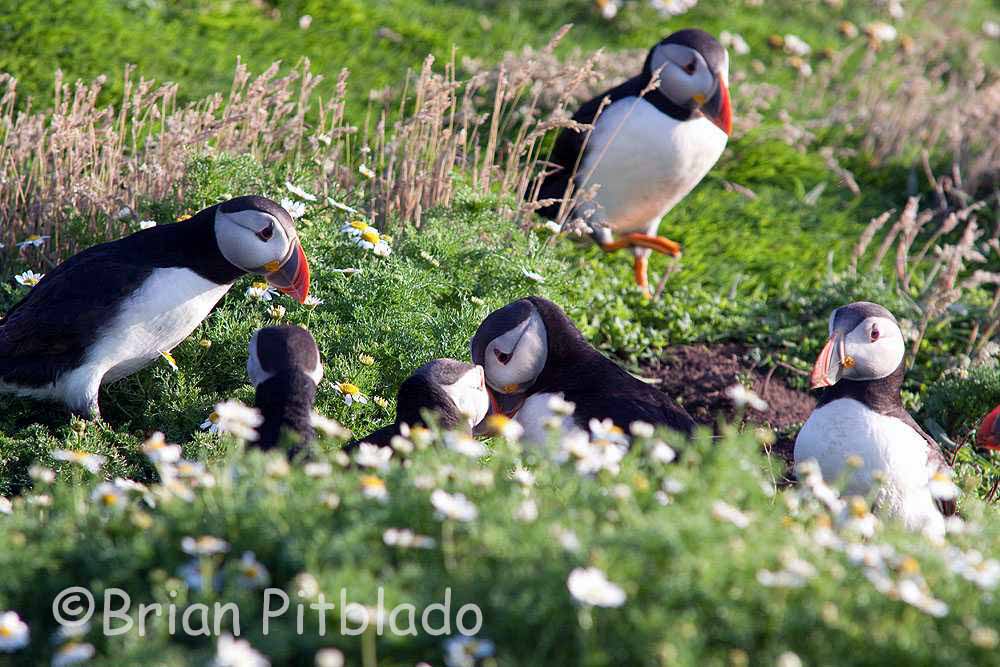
(266, 233)
(502, 357)
(691, 67)
(874, 333)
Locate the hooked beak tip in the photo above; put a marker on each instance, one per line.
(292, 278)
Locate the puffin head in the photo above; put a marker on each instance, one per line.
(257, 235)
(988, 433)
(276, 350)
(694, 74)
(453, 389)
(865, 344)
(512, 347)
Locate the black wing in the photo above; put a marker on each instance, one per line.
(935, 457)
(51, 328)
(570, 143)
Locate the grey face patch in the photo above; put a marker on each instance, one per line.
(497, 324)
(444, 371)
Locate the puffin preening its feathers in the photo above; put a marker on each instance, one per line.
(453, 391)
(860, 413)
(531, 352)
(285, 368)
(112, 309)
(651, 143)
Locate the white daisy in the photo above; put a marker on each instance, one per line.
(329, 657)
(941, 486)
(72, 653)
(91, 462)
(527, 511)
(6, 507)
(741, 397)
(456, 507)
(523, 476)
(374, 487)
(725, 512)
(734, 41)
(463, 651)
(239, 420)
(329, 427)
(318, 469)
(231, 652)
(591, 586)
(370, 239)
(253, 573)
(662, 452)
(205, 545)
(108, 496)
(147, 224)
(29, 278)
(211, 423)
(170, 360)
(407, 539)
(465, 444)
(365, 171)
(296, 209)
(33, 241)
(42, 474)
(373, 456)
(14, 633)
(312, 301)
(356, 228)
(343, 207)
(505, 426)
(796, 46)
(261, 291)
(351, 393)
(299, 192)
(531, 275)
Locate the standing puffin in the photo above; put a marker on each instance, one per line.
(284, 366)
(860, 413)
(114, 308)
(645, 152)
(532, 352)
(453, 390)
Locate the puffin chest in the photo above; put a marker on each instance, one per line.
(886, 445)
(645, 161)
(168, 306)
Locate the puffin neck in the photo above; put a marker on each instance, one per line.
(285, 401)
(659, 100)
(566, 347)
(880, 395)
(192, 244)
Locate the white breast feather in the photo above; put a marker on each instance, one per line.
(645, 162)
(848, 427)
(533, 417)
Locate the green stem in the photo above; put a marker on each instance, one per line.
(368, 656)
(448, 545)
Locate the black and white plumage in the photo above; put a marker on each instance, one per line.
(452, 390)
(532, 352)
(285, 368)
(860, 412)
(112, 309)
(646, 152)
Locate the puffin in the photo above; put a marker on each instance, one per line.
(988, 433)
(532, 353)
(114, 308)
(860, 413)
(284, 366)
(454, 391)
(652, 142)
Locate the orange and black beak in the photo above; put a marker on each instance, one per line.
(827, 369)
(506, 404)
(988, 434)
(292, 276)
(718, 109)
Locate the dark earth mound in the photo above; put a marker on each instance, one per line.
(697, 376)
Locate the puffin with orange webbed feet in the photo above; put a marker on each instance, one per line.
(652, 142)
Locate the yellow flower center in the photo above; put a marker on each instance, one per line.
(34, 237)
(250, 572)
(498, 422)
(359, 224)
(350, 389)
(214, 418)
(909, 565)
(5, 631)
(371, 236)
(259, 285)
(109, 499)
(183, 216)
(858, 507)
(372, 482)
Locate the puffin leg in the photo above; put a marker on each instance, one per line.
(642, 273)
(657, 243)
